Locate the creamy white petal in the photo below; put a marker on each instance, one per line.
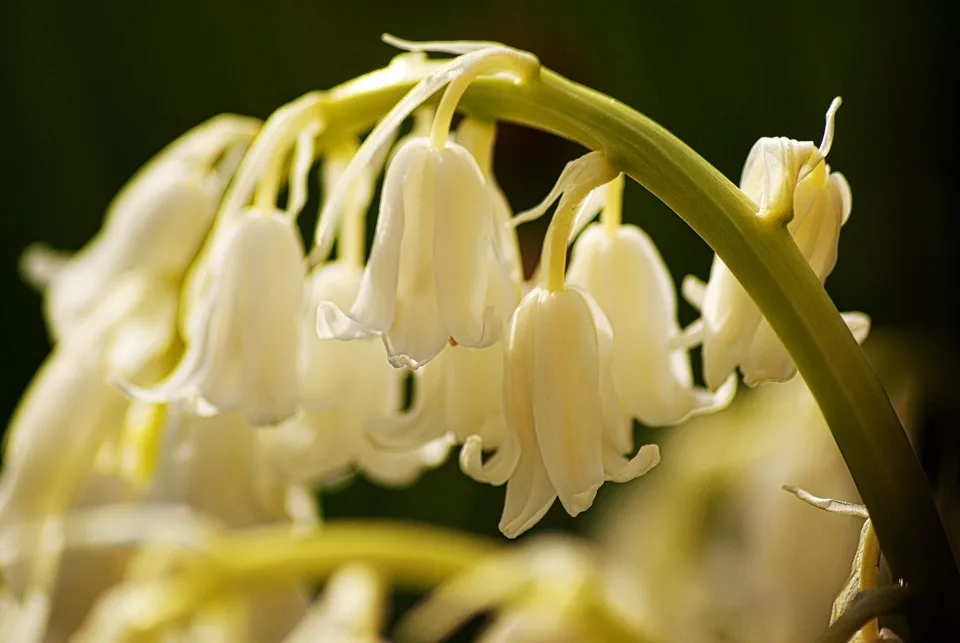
(730, 320)
(530, 492)
(788, 180)
(630, 282)
(417, 333)
(472, 395)
(56, 431)
(859, 325)
(350, 610)
(463, 242)
(374, 308)
(425, 421)
(198, 455)
(157, 223)
(771, 172)
(619, 469)
(843, 197)
(498, 468)
(567, 407)
(274, 282)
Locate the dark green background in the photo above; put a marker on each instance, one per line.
(90, 90)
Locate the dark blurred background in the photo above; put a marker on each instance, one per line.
(90, 90)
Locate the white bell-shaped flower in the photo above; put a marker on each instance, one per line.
(429, 268)
(242, 348)
(155, 224)
(622, 269)
(51, 459)
(561, 403)
(344, 386)
(459, 391)
(789, 181)
(426, 279)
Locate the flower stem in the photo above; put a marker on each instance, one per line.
(414, 556)
(766, 261)
(612, 215)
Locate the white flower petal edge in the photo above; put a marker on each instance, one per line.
(350, 610)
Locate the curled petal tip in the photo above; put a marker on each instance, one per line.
(333, 323)
(580, 502)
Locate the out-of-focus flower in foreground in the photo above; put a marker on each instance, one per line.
(549, 590)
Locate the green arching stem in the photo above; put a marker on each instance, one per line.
(766, 261)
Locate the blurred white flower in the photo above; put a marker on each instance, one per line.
(790, 182)
(344, 387)
(551, 590)
(154, 225)
(621, 268)
(241, 331)
(350, 610)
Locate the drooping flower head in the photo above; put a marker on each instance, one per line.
(621, 268)
(460, 391)
(429, 270)
(791, 183)
(558, 390)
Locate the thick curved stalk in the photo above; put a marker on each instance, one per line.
(414, 556)
(763, 256)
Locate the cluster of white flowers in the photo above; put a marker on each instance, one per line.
(203, 358)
